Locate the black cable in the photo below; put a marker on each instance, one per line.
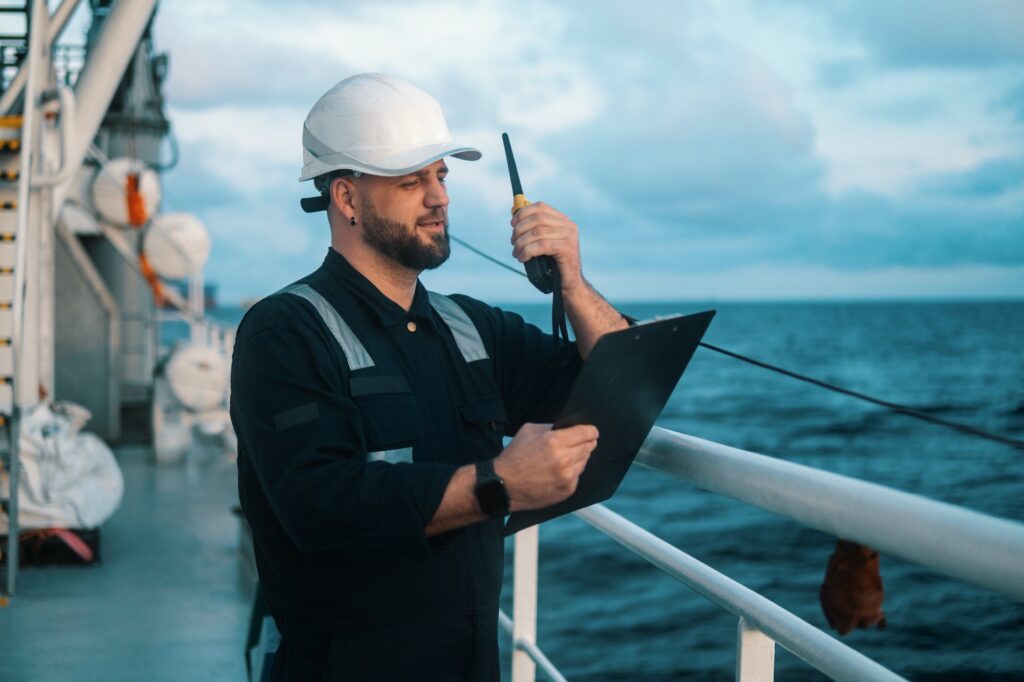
(895, 407)
(559, 326)
(484, 255)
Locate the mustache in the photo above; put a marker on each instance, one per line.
(440, 216)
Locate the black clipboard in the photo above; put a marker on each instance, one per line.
(622, 389)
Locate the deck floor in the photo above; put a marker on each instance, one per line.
(170, 600)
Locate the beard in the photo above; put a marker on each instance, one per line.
(401, 242)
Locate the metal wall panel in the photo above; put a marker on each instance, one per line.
(86, 340)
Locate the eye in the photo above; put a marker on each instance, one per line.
(409, 184)
(442, 178)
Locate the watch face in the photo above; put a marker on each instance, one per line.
(492, 497)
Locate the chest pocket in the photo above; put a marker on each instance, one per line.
(392, 421)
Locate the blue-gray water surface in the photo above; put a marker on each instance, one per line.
(605, 614)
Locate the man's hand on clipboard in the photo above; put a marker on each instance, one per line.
(542, 466)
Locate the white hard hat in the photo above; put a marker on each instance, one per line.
(376, 124)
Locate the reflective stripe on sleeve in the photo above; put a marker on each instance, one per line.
(354, 350)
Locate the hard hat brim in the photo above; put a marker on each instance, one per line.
(400, 164)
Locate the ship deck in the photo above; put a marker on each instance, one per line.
(169, 601)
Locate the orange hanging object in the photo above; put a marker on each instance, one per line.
(136, 205)
(852, 593)
(159, 297)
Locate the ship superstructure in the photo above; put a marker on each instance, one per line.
(86, 255)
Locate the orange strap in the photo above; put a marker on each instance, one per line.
(159, 297)
(136, 205)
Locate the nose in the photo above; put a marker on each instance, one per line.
(436, 195)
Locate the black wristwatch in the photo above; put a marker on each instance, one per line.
(490, 490)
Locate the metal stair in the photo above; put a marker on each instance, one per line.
(10, 145)
(10, 131)
(19, 26)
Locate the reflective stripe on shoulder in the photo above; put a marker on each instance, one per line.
(354, 350)
(467, 337)
(391, 456)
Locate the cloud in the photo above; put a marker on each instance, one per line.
(1013, 102)
(247, 147)
(208, 69)
(760, 149)
(994, 179)
(261, 240)
(936, 33)
(841, 73)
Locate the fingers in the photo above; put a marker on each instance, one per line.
(540, 216)
(542, 247)
(581, 455)
(530, 428)
(576, 435)
(539, 213)
(535, 209)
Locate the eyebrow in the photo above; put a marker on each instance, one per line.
(426, 171)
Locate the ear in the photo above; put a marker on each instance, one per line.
(342, 195)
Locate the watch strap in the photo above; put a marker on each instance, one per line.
(490, 489)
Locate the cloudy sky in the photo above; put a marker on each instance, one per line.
(741, 150)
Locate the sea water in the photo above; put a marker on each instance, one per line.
(606, 614)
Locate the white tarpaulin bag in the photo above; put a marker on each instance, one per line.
(68, 479)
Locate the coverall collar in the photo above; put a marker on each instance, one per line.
(386, 311)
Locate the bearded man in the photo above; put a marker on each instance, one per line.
(370, 413)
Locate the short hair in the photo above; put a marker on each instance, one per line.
(323, 182)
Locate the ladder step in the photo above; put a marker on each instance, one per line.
(9, 176)
(8, 205)
(7, 236)
(10, 145)
(11, 121)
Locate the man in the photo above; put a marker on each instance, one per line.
(370, 413)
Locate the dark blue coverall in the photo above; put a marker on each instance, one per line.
(356, 588)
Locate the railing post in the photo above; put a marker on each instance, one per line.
(524, 603)
(755, 654)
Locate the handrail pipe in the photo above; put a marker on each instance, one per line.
(964, 544)
(807, 642)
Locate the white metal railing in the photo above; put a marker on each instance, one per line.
(958, 542)
(528, 648)
(757, 614)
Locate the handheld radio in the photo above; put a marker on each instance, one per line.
(540, 270)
